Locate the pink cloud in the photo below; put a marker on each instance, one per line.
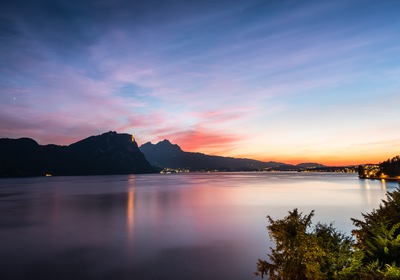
(200, 139)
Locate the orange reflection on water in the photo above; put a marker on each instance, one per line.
(131, 212)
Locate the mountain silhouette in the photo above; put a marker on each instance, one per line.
(167, 155)
(310, 165)
(109, 153)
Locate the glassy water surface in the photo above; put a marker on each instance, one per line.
(190, 226)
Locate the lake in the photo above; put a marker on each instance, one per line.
(183, 226)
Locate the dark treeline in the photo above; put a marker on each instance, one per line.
(391, 167)
(322, 252)
(386, 169)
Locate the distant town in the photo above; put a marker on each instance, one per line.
(338, 169)
(387, 170)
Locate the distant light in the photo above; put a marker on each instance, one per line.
(49, 175)
(133, 138)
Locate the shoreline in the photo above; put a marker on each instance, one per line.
(386, 178)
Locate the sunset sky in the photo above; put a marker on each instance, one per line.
(289, 81)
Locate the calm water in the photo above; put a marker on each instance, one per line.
(194, 226)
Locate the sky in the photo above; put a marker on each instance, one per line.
(289, 81)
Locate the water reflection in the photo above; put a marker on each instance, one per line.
(377, 184)
(130, 209)
(376, 190)
(194, 226)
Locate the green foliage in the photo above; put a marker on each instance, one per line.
(380, 229)
(291, 239)
(322, 252)
(384, 244)
(335, 250)
(392, 272)
(302, 253)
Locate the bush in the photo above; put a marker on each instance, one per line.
(304, 253)
(322, 252)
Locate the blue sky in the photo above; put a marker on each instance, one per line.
(289, 81)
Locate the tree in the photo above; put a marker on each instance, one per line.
(335, 250)
(391, 167)
(361, 171)
(378, 229)
(287, 258)
(302, 253)
(378, 240)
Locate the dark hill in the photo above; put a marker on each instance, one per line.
(109, 153)
(309, 165)
(167, 155)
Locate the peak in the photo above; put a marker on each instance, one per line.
(309, 164)
(149, 143)
(109, 133)
(23, 140)
(165, 141)
(116, 134)
(163, 145)
(107, 138)
(112, 133)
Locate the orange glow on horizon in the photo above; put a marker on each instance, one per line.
(328, 160)
(325, 160)
(227, 145)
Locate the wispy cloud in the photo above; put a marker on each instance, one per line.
(256, 78)
(200, 139)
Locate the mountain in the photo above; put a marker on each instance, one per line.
(167, 155)
(308, 165)
(109, 153)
